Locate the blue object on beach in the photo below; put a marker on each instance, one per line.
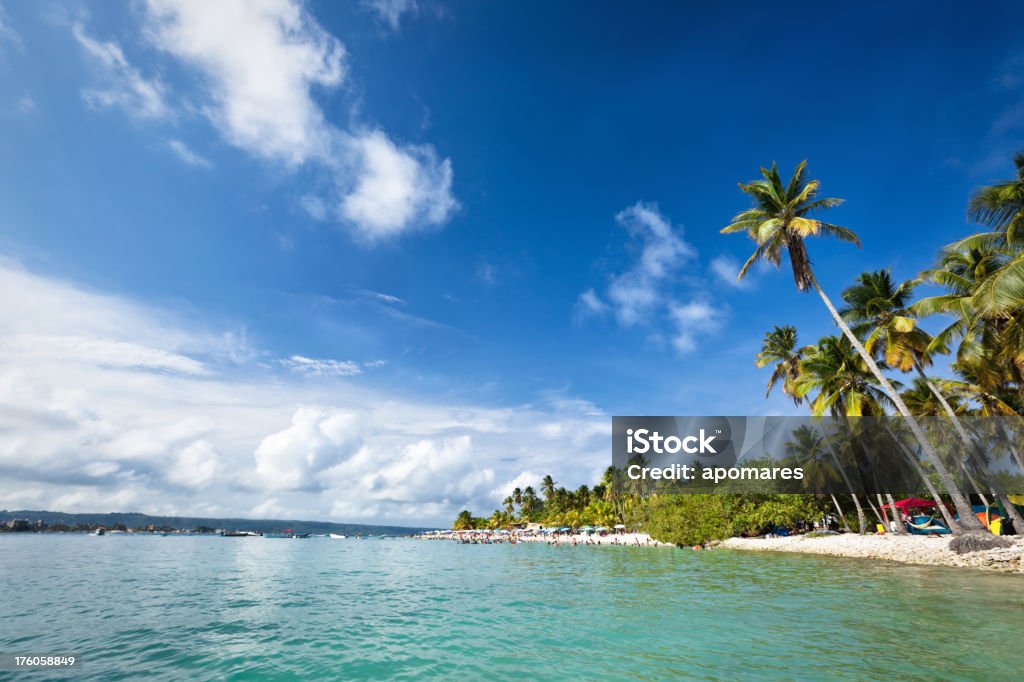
(925, 525)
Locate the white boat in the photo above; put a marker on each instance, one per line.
(335, 536)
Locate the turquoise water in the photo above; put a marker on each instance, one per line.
(177, 608)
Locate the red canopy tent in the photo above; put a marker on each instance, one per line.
(912, 503)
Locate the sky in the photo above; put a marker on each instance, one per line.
(381, 261)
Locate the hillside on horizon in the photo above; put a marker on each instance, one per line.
(139, 520)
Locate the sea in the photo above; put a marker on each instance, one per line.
(213, 608)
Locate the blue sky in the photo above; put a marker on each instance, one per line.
(355, 218)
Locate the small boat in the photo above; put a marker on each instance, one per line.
(301, 536)
(336, 536)
(240, 534)
(99, 531)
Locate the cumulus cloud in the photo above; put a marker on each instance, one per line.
(261, 65)
(396, 187)
(107, 404)
(123, 85)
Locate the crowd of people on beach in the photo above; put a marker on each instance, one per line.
(547, 536)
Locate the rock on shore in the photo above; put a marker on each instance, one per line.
(910, 549)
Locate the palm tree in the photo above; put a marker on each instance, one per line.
(841, 379)
(806, 448)
(464, 521)
(1001, 206)
(509, 504)
(780, 348)
(780, 220)
(517, 496)
(547, 488)
(529, 500)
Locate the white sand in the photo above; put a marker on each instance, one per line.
(910, 549)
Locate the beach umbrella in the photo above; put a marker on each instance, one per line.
(619, 526)
(564, 528)
(587, 529)
(600, 528)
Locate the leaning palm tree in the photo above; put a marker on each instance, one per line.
(806, 447)
(780, 349)
(780, 221)
(878, 310)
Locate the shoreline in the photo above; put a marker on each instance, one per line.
(909, 549)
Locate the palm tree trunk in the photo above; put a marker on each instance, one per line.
(862, 523)
(878, 514)
(881, 510)
(841, 514)
(967, 518)
(974, 447)
(898, 522)
(951, 523)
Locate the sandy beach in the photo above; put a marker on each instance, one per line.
(912, 549)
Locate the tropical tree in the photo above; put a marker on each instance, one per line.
(780, 349)
(781, 219)
(1001, 206)
(547, 488)
(517, 497)
(464, 521)
(806, 447)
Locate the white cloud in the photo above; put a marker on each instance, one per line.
(260, 66)
(124, 85)
(637, 291)
(261, 63)
(390, 12)
(196, 466)
(260, 60)
(647, 293)
(322, 368)
(107, 404)
(396, 188)
(691, 320)
(187, 156)
(726, 269)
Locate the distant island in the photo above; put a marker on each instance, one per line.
(51, 521)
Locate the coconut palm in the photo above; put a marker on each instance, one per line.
(806, 447)
(530, 501)
(1001, 206)
(508, 504)
(547, 488)
(464, 521)
(780, 349)
(781, 220)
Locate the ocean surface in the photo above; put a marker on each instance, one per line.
(175, 608)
